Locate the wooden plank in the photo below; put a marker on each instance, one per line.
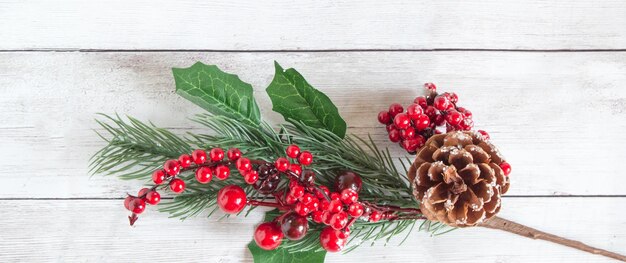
(279, 25)
(97, 230)
(558, 117)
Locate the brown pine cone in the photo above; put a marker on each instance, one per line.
(458, 179)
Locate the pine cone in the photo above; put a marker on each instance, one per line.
(458, 179)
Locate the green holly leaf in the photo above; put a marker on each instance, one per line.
(282, 255)
(218, 92)
(294, 98)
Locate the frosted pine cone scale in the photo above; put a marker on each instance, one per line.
(458, 179)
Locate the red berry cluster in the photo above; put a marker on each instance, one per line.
(428, 115)
(206, 166)
(300, 200)
(304, 202)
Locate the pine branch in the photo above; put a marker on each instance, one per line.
(135, 149)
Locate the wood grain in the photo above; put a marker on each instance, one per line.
(97, 230)
(557, 117)
(327, 24)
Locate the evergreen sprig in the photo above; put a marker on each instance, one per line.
(132, 144)
(134, 148)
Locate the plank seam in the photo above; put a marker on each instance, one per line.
(170, 198)
(310, 50)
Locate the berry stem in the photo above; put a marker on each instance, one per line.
(393, 208)
(268, 204)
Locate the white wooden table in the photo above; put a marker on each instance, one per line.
(546, 78)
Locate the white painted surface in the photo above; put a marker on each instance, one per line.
(326, 24)
(97, 230)
(558, 116)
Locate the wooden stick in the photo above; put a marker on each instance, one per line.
(522, 230)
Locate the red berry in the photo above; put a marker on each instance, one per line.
(318, 216)
(422, 101)
(231, 199)
(177, 185)
(306, 158)
(324, 205)
(402, 121)
(282, 164)
(335, 196)
(268, 235)
(143, 192)
(395, 109)
(394, 136)
(293, 151)
(335, 206)
(384, 117)
(233, 154)
(294, 226)
(158, 177)
(348, 180)
(410, 145)
(484, 134)
(430, 86)
(184, 160)
(466, 124)
(314, 204)
(307, 198)
(290, 200)
(506, 168)
(441, 103)
(420, 141)
(326, 216)
(171, 167)
(293, 182)
(407, 133)
(295, 168)
(453, 97)
(454, 117)
(430, 111)
(422, 122)
(243, 165)
(375, 216)
(333, 240)
(198, 156)
(355, 209)
(439, 120)
(127, 201)
(216, 154)
(467, 114)
(349, 196)
(339, 220)
(390, 127)
(137, 205)
(153, 197)
(222, 172)
(251, 177)
(414, 110)
(204, 175)
(296, 191)
(302, 209)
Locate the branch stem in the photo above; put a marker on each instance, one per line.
(522, 230)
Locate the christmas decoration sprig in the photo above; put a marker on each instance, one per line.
(329, 191)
